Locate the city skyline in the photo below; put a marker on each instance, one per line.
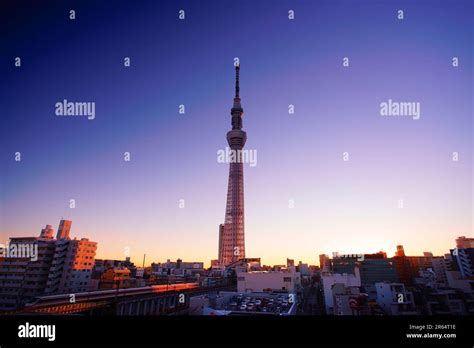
(64, 228)
(345, 206)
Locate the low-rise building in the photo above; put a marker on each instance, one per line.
(178, 268)
(394, 299)
(329, 279)
(446, 302)
(115, 278)
(258, 281)
(349, 300)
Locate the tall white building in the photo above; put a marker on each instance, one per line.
(22, 278)
(71, 269)
(62, 266)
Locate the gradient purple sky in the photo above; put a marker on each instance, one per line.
(350, 207)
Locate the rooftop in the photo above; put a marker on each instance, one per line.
(258, 303)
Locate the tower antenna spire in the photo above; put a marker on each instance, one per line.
(237, 76)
